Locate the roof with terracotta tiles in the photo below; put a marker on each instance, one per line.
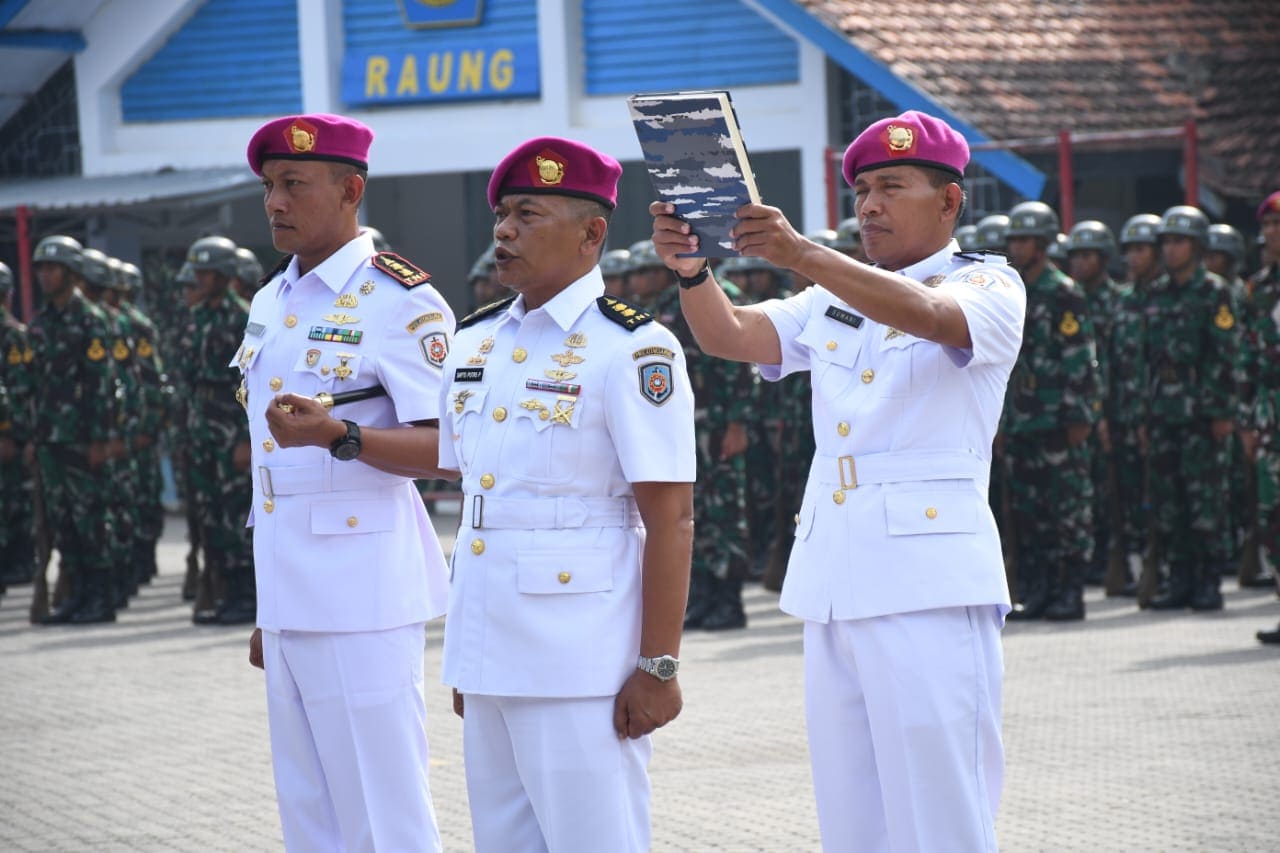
(1030, 68)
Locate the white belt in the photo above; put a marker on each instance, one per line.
(901, 466)
(328, 476)
(550, 513)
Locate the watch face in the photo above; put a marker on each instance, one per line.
(664, 668)
(346, 451)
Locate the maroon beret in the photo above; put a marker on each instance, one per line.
(553, 166)
(911, 139)
(1271, 204)
(319, 136)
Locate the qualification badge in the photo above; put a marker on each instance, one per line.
(656, 382)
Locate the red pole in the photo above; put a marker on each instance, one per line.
(24, 262)
(1066, 182)
(833, 203)
(1191, 161)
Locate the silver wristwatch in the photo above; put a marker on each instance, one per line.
(663, 667)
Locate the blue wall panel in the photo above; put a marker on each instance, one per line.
(386, 61)
(232, 58)
(673, 44)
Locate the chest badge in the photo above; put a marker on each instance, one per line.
(576, 340)
(435, 347)
(934, 280)
(367, 288)
(346, 300)
(486, 345)
(341, 319)
(313, 357)
(246, 357)
(460, 399)
(1223, 319)
(566, 358)
(96, 351)
(656, 382)
(891, 333)
(559, 375)
(343, 371)
(563, 412)
(1069, 326)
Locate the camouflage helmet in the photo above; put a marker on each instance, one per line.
(991, 232)
(1143, 228)
(1224, 238)
(483, 266)
(736, 263)
(186, 275)
(213, 253)
(967, 237)
(1186, 221)
(94, 268)
(6, 278)
(824, 237)
(848, 235)
(615, 262)
(115, 275)
(58, 249)
(644, 256)
(380, 243)
(1033, 219)
(1057, 248)
(1092, 234)
(248, 267)
(132, 277)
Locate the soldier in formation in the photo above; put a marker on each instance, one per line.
(17, 542)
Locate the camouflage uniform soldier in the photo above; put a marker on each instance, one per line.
(1090, 247)
(483, 279)
(154, 393)
(1260, 421)
(849, 240)
(1192, 346)
(75, 422)
(990, 234)
(967, 238)
(1057, 251)
(248, 277)
(723, 397)
(1139, 241)
(219, 434)
(1054, 398)
(17, 546)
(613, 267)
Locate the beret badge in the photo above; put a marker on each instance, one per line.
(550, 171)
(301, 136)
(900, 138)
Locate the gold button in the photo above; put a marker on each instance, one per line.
(268, 445)
(290, 321)
(269, 506)
(930, 513)
(499, 414)
(487, 481)
(352, 521)
(838, 497)
(477, 546)
(564, 577)
(544, 415)
(518, 355)
(457, 407)
(867, 376)
(843, 427)
(831, 345)
(276, 383)
(324, 371)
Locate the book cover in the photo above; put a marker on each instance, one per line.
(697, 161)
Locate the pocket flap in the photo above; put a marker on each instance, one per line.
(329, 365)
(245, 356)
(564, 572)
(355, 516)
(549, 410)
(831, 341)
(917, 513)
(465, 399)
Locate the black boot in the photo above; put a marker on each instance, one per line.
(1177, 591)
(1270, 638)
(1067, 605)
(240, 607)
(699, 600)
(1207, 594)
(72, 586)
(99, 599)
(1033, 594)
(726, 611)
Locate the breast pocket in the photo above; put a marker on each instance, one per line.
(332, 368)
(833, 350)
(548, 437)
(908, 367)
(246, 355)
(467, 408)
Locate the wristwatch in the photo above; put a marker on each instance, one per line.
(663, 667)
(348, 447)
(697, 278)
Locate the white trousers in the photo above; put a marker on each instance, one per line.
(349, 740)
(903, 713)
(552, 775)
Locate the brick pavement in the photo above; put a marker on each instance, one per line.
(1130, 732)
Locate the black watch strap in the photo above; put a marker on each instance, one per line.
(350, 440)
(697, 278)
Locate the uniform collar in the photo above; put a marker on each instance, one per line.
(569, 304)
(931, 265)
(336, 270)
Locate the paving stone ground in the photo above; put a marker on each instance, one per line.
(1128, 732)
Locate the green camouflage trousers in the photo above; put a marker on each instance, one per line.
(1052, 496)
(150, 487)
(1189, 492)
(222, 496)
(720, 535)
(75, 506)
(17, 542)
(1135, 507)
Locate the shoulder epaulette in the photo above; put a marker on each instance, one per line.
(485, 311)
(279, 268)
(626, 315)
(979, 257)
(405, 272)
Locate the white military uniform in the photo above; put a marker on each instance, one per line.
(896, 566)
(553, 414)
(347, 563)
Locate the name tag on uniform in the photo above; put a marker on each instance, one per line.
(255, 329)
(842, 316)
(468, 374)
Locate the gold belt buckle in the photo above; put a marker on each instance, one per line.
(851, 480)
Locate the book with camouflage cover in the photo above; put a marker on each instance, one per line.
(697, 161)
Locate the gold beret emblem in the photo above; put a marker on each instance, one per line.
(301, 136)
(550, 172)
(900, 138)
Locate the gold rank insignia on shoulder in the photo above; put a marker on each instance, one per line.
(630, 317)
(346, 300)
(1223, 319)
(403, 271)
(1069, 325)
(577, 339)
(341, 319)
(367, 288)
(422, 319)
(96, 351)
